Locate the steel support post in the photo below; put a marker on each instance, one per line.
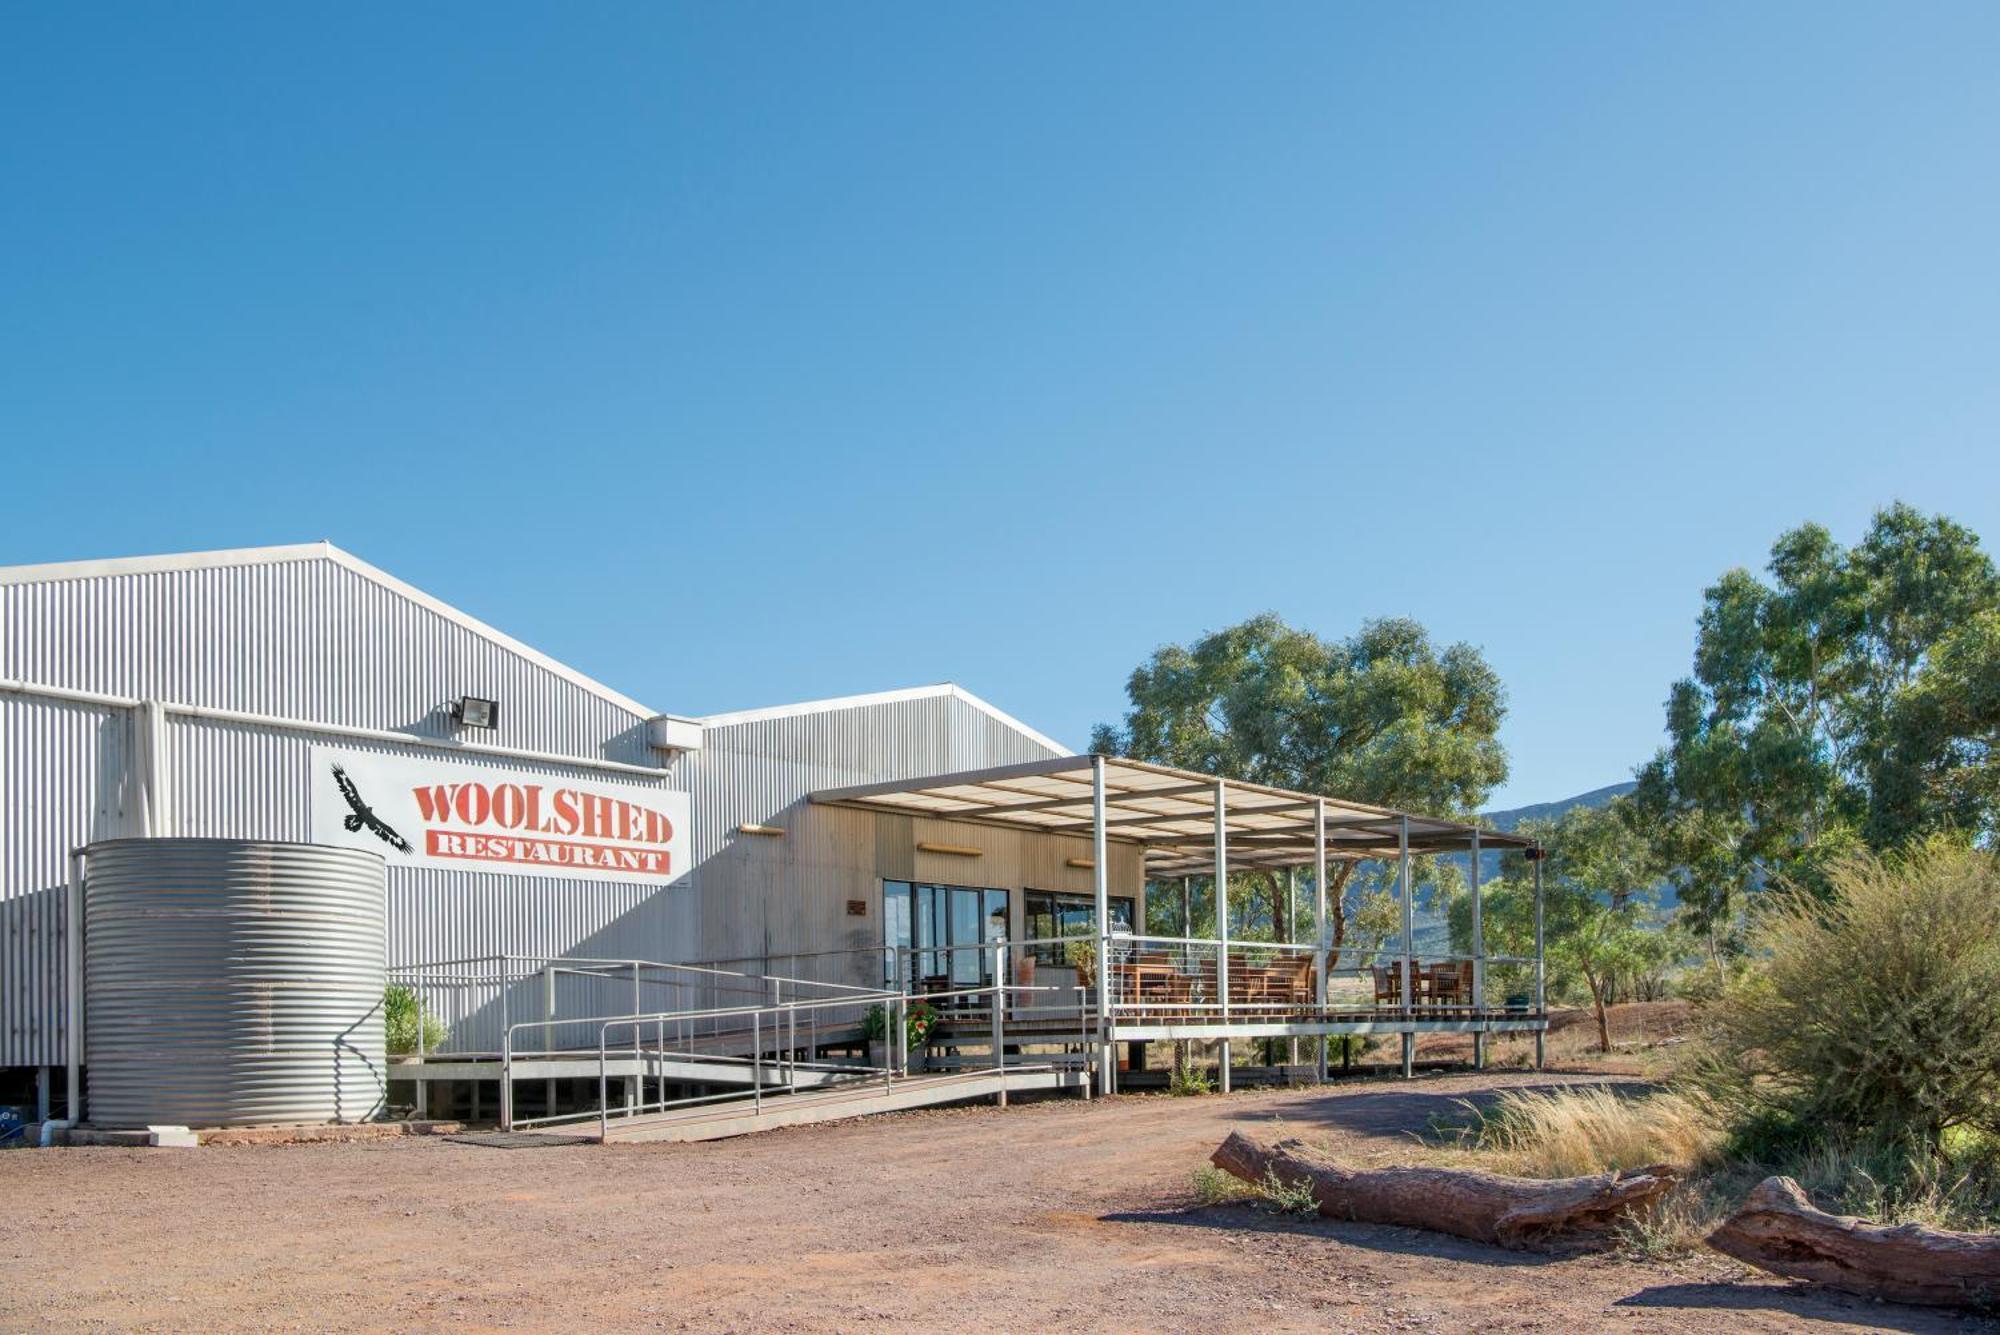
(1478, 960)
(1409, 938)
(1322, 928)
(1292, 935)
(1541, 979)
(1222, 922)
(1100, 877)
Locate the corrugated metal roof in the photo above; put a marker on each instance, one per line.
(1169, 811)
(938, 690)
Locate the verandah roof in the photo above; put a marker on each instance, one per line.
(1171, 812)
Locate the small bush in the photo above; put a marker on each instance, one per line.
(1189, 1080)
(1873, 1015)
(1212, 1186)
(1287, 1198)
(401, 1016)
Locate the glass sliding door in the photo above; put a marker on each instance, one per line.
(1048, 913)
(925, 920)
(965, 921)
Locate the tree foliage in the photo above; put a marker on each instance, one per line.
(1850, 702)
(1598, 881)
(1384, 716)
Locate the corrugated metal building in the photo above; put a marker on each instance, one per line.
(192, 695)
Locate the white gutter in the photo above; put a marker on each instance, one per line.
(14, 687)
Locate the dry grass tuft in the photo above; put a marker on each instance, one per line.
(1590, 1129)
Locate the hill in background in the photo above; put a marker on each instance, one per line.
(1596, 797)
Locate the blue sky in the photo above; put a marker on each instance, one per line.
(746, 354)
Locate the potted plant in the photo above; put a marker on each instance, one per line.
(919, 1018)
(1082, 956)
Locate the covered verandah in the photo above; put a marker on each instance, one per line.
(1188, 824)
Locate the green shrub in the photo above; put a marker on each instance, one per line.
(1287, 1197)
(1212, 1186)
(1188, 1080)
(1871, 1016)
(401, 1016)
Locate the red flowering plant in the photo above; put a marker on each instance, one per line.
(918, 1022)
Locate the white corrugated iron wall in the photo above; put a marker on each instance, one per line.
(307, 639)
(61, 771)
(753, 897)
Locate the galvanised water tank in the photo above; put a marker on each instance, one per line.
(230, 982)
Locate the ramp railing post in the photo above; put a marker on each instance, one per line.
(756, 1061)
(603, 1087)
(999, 1006)
(423, 1085)
(506, 1079)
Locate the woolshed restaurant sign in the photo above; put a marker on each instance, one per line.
(474, 818)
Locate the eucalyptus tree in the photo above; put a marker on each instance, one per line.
(1851, 700)
(1384, 716)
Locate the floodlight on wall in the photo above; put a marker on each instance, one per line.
(952, 850)
(469, 711)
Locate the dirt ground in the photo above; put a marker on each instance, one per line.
(1054, 1214)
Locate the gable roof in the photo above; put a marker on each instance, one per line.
(317, 551)
(943, 689)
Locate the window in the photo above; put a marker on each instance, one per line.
(925, 919)
(1049, 914)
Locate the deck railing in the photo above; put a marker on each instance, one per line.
(1189, 980)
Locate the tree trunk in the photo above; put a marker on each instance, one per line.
(1336, 901)
(1603, 1020)
(1777, 1229)
(1510, 1211)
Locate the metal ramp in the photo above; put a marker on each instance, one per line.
(780, 1051)
(741, 1117)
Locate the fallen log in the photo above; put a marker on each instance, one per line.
(1486, 1207)
(1779, 1230)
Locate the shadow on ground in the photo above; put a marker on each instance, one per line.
(1800, 1301)
(1404, 1111)
(1373, 1237)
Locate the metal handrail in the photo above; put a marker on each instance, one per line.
(896, 1033)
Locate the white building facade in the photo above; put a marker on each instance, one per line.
(299, 694)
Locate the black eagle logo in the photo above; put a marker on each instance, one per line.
(364, 815)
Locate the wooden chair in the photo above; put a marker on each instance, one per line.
(1388, 985)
